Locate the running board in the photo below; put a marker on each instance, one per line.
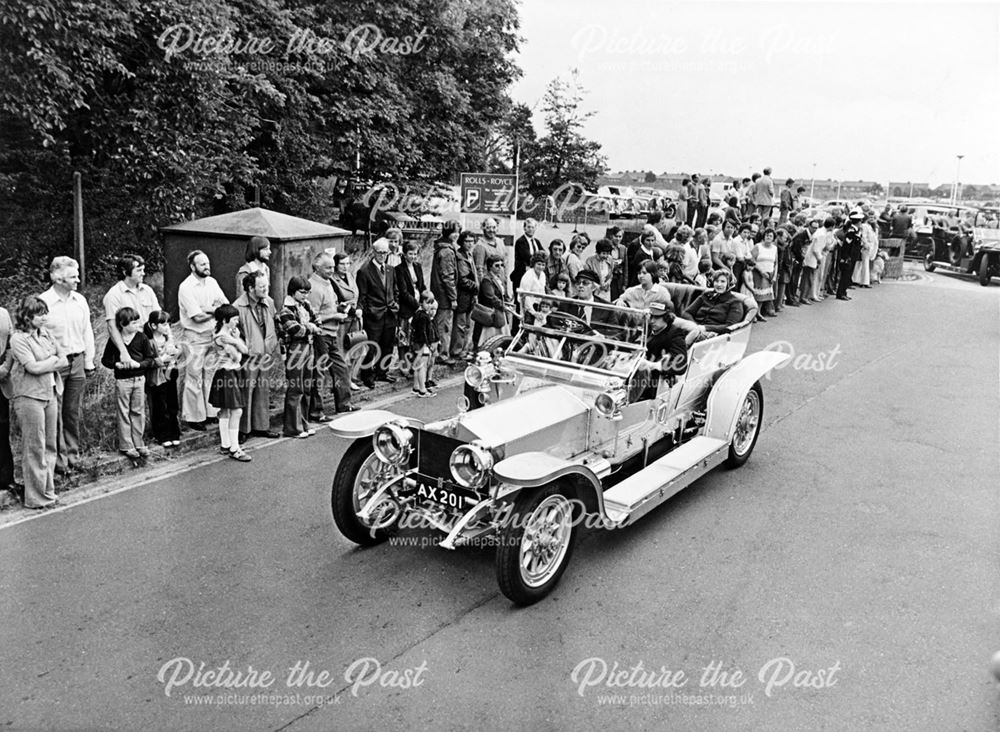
(639, 494)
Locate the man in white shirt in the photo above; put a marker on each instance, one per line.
(69, 324)
(131, 292)
(197, 298)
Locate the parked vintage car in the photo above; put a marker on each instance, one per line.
(576, 430)
(970, 248)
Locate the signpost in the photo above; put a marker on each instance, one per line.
(491, 194)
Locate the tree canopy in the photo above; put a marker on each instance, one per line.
(174, 110)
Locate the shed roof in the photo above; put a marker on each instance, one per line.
(257, 222)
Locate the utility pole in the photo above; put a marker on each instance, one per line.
(958, 168)
(812, 186)
(78, 226)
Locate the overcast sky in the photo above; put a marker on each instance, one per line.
(863, 90)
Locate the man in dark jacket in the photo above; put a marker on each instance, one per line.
(787, 201)
(849, 254)
(444, 287)
(666, 351)
(524, 247)
(605, 322)
(467, 281)
(379, 306)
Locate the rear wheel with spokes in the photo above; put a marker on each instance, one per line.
(747, 429)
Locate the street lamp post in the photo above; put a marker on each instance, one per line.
(812, 186)
(958, 168)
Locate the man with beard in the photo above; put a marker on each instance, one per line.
(197, 298)
(257, 255)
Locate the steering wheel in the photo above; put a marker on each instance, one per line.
(560, 319)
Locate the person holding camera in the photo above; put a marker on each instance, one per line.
(331, 313)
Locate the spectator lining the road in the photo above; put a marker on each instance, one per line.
(423, 342)
(257, 255)
(161, 382)
(35, 390)
(130, 381)
(257, 324)
(298, 328)
(128, 291)
(467, 282)
(69, 323)
(6, 361)
(197, 298)
(229, 381)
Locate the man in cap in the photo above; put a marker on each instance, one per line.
(666, 351)
(603, 321)
(849, 253)
(379, 305)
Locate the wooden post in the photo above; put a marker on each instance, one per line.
(78, 226)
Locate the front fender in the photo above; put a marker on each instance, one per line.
(728, 393)
(535, 469)
(365, 422)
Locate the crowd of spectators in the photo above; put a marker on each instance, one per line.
(341, 328)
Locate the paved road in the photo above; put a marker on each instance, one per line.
(859, 543)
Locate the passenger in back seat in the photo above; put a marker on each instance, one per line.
(716, 310)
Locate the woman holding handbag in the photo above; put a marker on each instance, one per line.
(351, 333)
(489, 313)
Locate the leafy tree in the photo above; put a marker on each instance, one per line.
(876, 189)
(563, 154)
(650, 177)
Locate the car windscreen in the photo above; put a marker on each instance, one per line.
(590, 334)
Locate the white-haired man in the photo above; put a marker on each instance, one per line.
(69, 324)
(489, 244)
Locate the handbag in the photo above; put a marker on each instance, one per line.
(355, 336)
(483, 315)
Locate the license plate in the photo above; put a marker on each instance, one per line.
(445, 495)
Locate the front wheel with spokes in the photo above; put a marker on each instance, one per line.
(359, 475)
(536, 544)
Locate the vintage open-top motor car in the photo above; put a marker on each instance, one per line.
(576, 429)
(970, 248)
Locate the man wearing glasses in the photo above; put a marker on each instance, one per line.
(377, 299)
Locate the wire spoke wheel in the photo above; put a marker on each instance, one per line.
(747, 428)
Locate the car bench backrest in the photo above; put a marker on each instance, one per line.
(683, 295)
